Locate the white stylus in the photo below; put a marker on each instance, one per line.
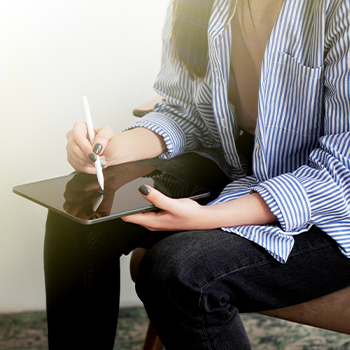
(91, 131)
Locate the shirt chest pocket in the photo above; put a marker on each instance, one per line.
(294, 96)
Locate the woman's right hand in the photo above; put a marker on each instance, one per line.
(80, 152)
(128, 146)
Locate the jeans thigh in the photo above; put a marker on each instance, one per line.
(315, 267)
(216, 264)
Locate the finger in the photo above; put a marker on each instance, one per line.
(72, 148)
(88, 168)
(76, 154)
(102, 138)
(148, 220)
(157, 198)
(80, 138)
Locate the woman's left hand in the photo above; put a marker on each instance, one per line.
(175, 215)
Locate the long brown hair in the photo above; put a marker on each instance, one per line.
(189, 34)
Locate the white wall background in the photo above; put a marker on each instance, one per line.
(51, 54)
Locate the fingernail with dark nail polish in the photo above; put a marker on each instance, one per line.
(94, 217)
(92, 157)
(144, 190)
(103, 162)
(97, 148)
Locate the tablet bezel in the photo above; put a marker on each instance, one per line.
(22, 190)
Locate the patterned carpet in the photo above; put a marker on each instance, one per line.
(28, 331)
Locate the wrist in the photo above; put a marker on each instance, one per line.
(247, 210)
(136, 144)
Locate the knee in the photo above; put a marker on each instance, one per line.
(166, 271)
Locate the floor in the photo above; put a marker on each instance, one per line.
(28, 331)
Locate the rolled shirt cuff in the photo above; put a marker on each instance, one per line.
(173, 135)
(288, 200)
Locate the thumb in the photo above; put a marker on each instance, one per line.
(102, 138)
(155, 197)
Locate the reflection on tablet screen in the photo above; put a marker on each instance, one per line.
(80, 197)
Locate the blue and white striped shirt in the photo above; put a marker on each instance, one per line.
(301, 160)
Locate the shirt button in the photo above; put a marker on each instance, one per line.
(257, 146)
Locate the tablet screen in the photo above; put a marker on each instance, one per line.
(79, 196)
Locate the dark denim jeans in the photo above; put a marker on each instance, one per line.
(195, 284)
(81, 265)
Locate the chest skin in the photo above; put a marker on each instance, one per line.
(251, 30)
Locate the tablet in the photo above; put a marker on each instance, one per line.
(79, 197)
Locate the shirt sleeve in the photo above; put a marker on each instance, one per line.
(176, 118)
(319, 193)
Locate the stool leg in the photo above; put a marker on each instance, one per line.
(152, 341)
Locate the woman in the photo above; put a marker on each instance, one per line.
(278, 234)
